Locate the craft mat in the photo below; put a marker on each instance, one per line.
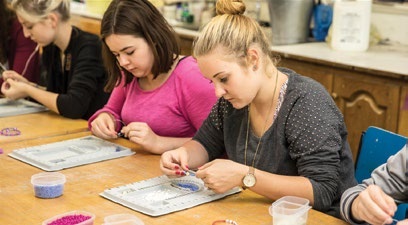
(70, 153)
(19, 107)
(159, 196)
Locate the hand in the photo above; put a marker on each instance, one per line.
(222, 175)
(140, 133)
(13, 89)
(403, 222)
(174, 162)
(374, 206)
(10, 74)
(104, 126)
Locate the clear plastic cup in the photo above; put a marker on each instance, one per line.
(122, 219)
(290, 210)
(48, 184)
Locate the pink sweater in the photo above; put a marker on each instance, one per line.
(175, 109)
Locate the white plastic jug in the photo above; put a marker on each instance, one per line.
(351, 25)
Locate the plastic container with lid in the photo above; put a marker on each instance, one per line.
(77, 217)
(290, 210)
(122, 219)
(48, 184)
(351, 25)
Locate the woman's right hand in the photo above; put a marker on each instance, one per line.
(174, 162)
(103, 126)
(374, 206)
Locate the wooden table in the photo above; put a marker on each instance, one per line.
(19, 206)
(39, 125)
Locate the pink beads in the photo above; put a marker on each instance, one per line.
(70, 220)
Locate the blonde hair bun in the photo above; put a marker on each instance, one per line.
(232, 7)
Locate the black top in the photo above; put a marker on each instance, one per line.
(308, 138)
(80, 84)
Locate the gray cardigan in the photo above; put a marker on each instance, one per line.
(308, 138)
(392, 177)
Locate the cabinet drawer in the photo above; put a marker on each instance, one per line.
(366, 103)
(322, 74)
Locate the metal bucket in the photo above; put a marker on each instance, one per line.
(290, 20)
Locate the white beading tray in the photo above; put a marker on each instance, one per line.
(19, 107)
(74, 152)
(162, 195)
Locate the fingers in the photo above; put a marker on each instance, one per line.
(173, 163)
(10, 74)
(373, 205)
(403, 222)
(103, 131)
(104, 127)
(11, 90)
(135, 130)
(5, 86)
(169, 164)
(382, 200)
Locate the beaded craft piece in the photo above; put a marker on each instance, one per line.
(18, 107)
(10, 131)
(162, 195)
(69, 153)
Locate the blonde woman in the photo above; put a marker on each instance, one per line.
(75, 76)
(282, 132)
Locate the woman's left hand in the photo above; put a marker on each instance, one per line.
(13, 89)
(140, 133)
(221, 175)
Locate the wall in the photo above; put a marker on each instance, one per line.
(391, 22)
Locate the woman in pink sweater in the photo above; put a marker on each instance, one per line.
(159, 98)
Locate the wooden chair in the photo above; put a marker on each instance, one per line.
(376, 146)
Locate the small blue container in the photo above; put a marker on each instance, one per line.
(48, 184)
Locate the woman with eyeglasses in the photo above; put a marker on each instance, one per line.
(75, 75)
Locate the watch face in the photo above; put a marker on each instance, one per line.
(249, 180)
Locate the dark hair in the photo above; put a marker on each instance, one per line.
(7, 16)
(140, 19)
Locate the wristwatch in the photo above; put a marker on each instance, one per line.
(249, 179)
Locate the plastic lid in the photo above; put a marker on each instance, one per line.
(289, 205)
(48, 178)
(123, 219)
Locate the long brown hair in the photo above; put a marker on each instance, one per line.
(7, 16)
(140, 19)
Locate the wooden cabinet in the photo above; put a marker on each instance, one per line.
(93, 25)
(186, 44)
(90, 25)
(365, 98)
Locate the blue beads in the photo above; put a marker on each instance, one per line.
(187, 186)
(48, 191)
(48, 184)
